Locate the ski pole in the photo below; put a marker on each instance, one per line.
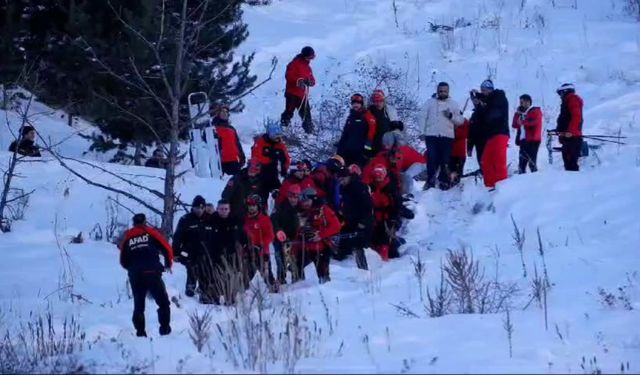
(605, 140)
(604, 136)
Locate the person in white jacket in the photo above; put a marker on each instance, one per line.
(439, 117)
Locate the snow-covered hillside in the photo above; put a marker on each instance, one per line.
(375, 321)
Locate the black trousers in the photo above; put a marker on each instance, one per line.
(270, 177)
(528, 156)
(231, 168)
(354, 241)
(456, 164)
(141, 284)
(438, 154)
(320, 260)
(292, 103)
(192, 280)
(571, 148)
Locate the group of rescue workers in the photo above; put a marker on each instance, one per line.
(336, 207)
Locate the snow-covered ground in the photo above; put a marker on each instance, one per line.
(587, 221)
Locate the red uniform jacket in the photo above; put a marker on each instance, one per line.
(530, 122)
(325, 222)
(305, 183)
(384, 204)
(140, 249)
(570, 117)
(459, 148)
(230, 148)
(405, 155)
(267, 152)
(298, 69)
(259, 231)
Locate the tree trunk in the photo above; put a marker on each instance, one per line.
(5, 97)
(7, 183)
(137, 153)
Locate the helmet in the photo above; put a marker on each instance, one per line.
(566, 88)
(379, 171)
(309, 194)
(254, 200)
(335, 163)
(357, 98)
(274, 130)
(377, 96)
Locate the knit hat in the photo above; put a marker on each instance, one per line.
(487, 84)
(357, 98)
(26, 129)
(198, 201)
(308, 52)
(139, 219)
(377, 96)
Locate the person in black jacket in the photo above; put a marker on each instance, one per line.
(249, 181)
(157, 160)
(356, 142)
(285, 226)
(192, 242)
(139, 255)
(357, 212)
(490, 127)
(26, 145)
(228, 239)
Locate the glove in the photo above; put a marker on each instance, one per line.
(447, 113)
(518, 141)
(397, 125)
(281, 236)
(278, 155)
(302, 83)
(274, 194)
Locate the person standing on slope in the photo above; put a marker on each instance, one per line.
(259, 231)
(528, 124)
(139, 255)
(491, 116)
(386, 118)
(356, 142)
(386, 209)
(232, 156)
(569, 126)
(285, 226)
(440, 116)
(299, 176)
(271, 151)
(299, 78)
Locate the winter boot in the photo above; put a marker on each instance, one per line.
(383, 250)
(141, 333)
(165, 330)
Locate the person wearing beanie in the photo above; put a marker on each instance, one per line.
(439, 117)
(26, 144)
(356, 209)
(300, 176)
(386, 118)
(356, 142)
(232, 157)
(489, 132)
(193, 244)
(285, 226)
(299, 77)
(569, 126)
(139, 250)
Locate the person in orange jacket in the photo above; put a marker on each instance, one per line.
(299, 78)
(318, 223)
(528, 124)
(232, 156)
(259, 231)
(299, 176)
(271, 151)
(139, 250)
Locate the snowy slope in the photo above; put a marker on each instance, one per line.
(588, 221)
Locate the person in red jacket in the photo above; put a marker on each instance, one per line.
(139, 255)
(259, 231)
(300, 176)
(299, 78)
(318, 223)
(386, 204)
(459, 152)
(356, 142)
(232, 156)
(528, 124)
(271, 151)
(569, 126)
(399, 159)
